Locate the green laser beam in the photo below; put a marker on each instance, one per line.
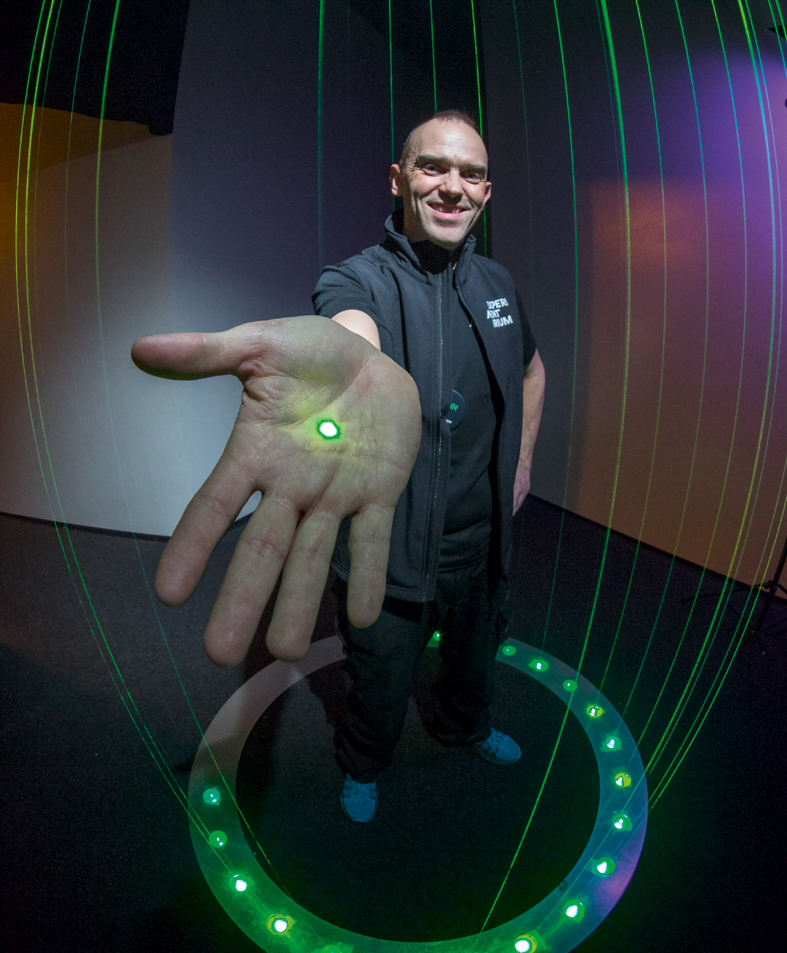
(25, 223)
(320, 106)
(662, 363)
(434, 61)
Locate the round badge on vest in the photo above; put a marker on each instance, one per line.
(455, 411)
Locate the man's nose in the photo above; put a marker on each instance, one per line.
(452, 182)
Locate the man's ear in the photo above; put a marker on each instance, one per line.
(488, 194)
(395, 175)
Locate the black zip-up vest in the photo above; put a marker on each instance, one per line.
(407, 308)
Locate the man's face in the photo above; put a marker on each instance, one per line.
(443, 183)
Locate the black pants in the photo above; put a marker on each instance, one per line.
(383, 657)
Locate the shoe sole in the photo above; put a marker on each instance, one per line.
(492, 759)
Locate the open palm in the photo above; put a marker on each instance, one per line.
(296, 373)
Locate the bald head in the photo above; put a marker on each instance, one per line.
(448, 115)
(442, 180)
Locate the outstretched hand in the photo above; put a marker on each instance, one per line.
(296, 373)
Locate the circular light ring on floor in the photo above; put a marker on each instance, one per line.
(555, 921)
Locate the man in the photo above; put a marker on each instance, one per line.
(425, 335)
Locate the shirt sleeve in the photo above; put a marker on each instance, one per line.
(528, 341)
(339, 289)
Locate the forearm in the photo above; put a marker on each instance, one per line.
(360, 323)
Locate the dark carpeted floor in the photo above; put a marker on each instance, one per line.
(103, 694)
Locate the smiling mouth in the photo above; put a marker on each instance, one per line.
(452, 211)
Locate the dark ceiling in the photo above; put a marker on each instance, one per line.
(56, 53)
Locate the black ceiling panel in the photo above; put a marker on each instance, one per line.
(55, 54)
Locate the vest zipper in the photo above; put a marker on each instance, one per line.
(434, 556)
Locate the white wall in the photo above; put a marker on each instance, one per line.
(211, 227)
(78, 420)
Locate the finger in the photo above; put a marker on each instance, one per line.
(214, 507)
(251, 577)
(181, 356)
(302, 586)
(196, 355)
(369, 543)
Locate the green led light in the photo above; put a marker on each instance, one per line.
(611, 743)
(621, 822)
(570, 685)
(217, 839)
(574, 910)
(622, 780)
(212, 796)
(595, 711)
(539, 664)
(328, 429)
(279, 923)
(604, 867)
(261, 911)
(526, 944)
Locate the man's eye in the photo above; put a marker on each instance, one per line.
(474, 177)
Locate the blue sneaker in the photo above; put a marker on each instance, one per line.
(359, 801)
(499, 748)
